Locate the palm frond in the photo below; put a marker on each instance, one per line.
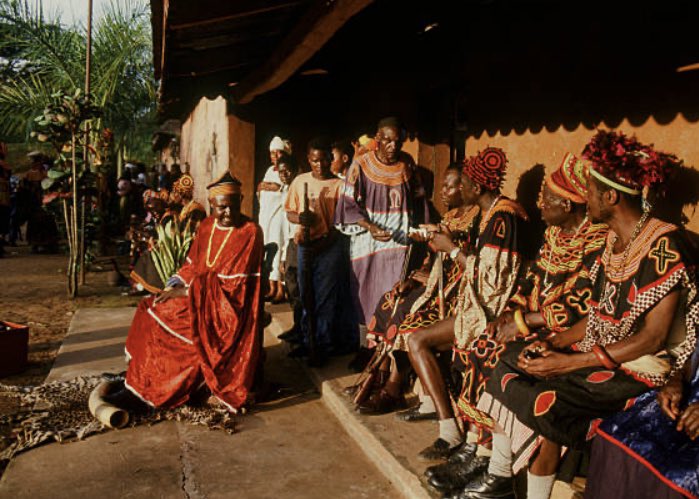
(20, 101)
(121, 76)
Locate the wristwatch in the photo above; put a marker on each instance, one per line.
(454, 253)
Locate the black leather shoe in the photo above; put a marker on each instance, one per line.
(464, 454)
(440, 449)
(489, 486)
(266, 319)
(293, 335)
(414, 414)
(452, 476)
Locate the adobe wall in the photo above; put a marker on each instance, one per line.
(204, 144)
(526, 150)
(241, 154)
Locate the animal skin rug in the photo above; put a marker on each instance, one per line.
(58, 412)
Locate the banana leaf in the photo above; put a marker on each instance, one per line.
(170, 251)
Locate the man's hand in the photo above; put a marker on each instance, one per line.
(505, 327)
(557, 341)
(431, 227)
(669, 398)
(536, 347)
(442, 241)
(548, 363)
(689, 421)
(403, 288)
(425, 234)
(420, 276)
(379, 234)
(268, 186)
(307, 218)
(170, 293)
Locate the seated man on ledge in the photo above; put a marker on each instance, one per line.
(204, 328)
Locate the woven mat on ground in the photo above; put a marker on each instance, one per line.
(58, 412)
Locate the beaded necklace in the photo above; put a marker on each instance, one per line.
(618, 272)
(553, 251)
(229, 231)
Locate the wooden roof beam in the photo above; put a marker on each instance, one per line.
(311, 33)
(156, 19)
(166, 15)
(230, 17)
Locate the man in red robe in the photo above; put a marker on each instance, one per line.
(204, 328)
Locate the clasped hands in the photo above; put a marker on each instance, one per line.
(540, 359)
(504, 328)
(670, 400)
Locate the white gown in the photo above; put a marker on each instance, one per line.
(272, 219)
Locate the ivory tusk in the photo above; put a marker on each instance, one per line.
(107, 414)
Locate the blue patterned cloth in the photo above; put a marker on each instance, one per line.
(645, 430)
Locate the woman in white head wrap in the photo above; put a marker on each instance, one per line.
(272, 216)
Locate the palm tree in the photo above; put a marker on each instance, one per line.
(52, 59)
(44, 59)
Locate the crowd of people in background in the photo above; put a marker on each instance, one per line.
(21, 205)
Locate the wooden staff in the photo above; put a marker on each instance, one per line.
(442, 311)
(403, 277)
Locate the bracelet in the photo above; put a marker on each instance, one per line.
(521, 323)
(604, 357)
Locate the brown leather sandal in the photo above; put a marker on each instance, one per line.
(382, 402)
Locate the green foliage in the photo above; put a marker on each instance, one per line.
(62, 118)
(44, 57)
(171, 249)
(61, 124)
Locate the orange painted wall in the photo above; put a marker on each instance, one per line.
(527, 149)
(241, 154)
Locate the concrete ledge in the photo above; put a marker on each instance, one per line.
(401, 477)
(371, 433)
(392, 446)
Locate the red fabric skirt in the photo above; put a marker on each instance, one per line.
(164, 367)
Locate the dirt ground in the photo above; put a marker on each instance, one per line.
(33, 293)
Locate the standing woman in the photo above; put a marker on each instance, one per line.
(272, 217)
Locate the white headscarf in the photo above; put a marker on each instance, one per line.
(279, 144)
